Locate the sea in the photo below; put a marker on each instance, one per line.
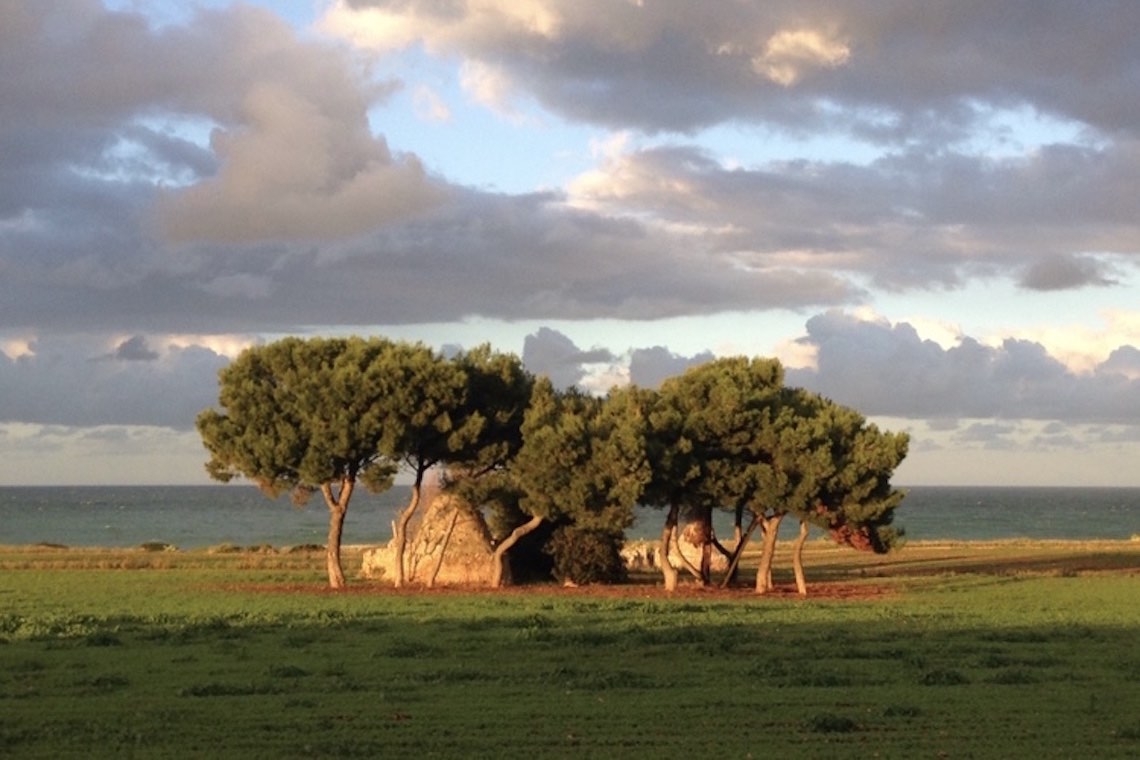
(192, 517)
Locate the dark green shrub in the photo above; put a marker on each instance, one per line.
(586, 556)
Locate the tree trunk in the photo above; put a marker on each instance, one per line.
(443, 549)
(771, 528)
(798, 557)
(338, 508)
(706, 546)
(667, 570)
(737, 536)
(400, 530)
(499, 557)
(694, 570)
(738, 552)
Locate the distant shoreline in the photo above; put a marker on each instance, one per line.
(930, 543)
(209, 516)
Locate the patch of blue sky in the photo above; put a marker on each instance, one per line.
(522, 150)
(1021, 130)
(988, 308)
(724, 334)
(300, 13)
(131, 159)
(748, 146)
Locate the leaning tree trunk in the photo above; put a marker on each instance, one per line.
(771, 528)
(737, 542)
(798, 558)
(443, 548)
(694, 570)
(667, 570)
(499, 556)
(738, 552)
(338, 508)
(400, 530)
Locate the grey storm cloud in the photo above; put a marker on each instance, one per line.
(221, 175)
(885, 369)
(1122, 361)
(551, 353)
(135, 348)
(649, 367)
(906, 220)
(71, 382)
(554, 354)
(892, 71)
(1065, 272)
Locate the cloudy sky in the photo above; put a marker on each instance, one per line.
(928, 211)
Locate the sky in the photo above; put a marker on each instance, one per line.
(927, 211)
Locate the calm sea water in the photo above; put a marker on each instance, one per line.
(201, 516)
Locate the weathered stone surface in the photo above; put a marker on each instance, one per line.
(448, 544)
(685, 551)
(687, 548)
(641, 555)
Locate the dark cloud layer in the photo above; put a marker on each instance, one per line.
(554, 355)
(71, 382)
(223, 175)
(649, 367)
(887, 369)
(891, 70)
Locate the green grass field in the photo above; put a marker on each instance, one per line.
(942, 650)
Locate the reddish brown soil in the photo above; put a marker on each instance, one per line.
(816, 591)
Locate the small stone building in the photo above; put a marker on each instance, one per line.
(684, 552)
(448, 544)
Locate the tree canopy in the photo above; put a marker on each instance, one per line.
(582, 458)
(464, 413)
(326, 413)
(710, 433)
(301, 416)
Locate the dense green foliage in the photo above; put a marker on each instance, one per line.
(584, 555)
(240, 656)
(463, 412)
(711, 431)
(729, 435)
(582, 461)
(304, 415)
(321, 414)
(582, 457)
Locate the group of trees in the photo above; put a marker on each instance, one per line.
(327, 414)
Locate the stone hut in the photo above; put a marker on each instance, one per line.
(684, 553)
(448, 544)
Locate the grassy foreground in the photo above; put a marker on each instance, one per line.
(942, 650)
